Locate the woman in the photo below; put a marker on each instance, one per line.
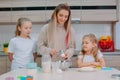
(57, 34)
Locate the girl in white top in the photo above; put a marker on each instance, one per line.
(90, 56)
(58, 34)
(22, 48)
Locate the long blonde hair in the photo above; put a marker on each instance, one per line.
(19, 24)
(53, 24)
(94, 51)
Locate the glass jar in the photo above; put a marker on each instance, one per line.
(46, 63)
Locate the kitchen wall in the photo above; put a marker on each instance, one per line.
(117, 32)
(7, 31)
(99, 29)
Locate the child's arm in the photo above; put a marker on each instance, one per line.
(10, 56)
(81, 64)
(101, 63)
(85, 64)
(35, 56)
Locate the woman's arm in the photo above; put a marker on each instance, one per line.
(42, 42)
(10, 56)
(71, 47)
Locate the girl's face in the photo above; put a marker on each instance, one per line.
(62, 16)
(25, 29)
(87, 45)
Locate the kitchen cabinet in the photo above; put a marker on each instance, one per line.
(3, 64)
(112, 61)
(99, 10)
(40, 11)
(35, 16)
(8, 64)
(5, 16)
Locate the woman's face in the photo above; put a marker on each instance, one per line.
(25, 28)
(62, 16)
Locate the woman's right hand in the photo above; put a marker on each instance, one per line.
(53, 52)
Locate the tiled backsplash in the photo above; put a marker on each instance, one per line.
(7, 31)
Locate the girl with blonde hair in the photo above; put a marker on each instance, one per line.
(90, 56)
(22, 49)
(58, 34)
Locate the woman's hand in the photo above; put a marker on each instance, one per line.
(53, 52)
(65, 56)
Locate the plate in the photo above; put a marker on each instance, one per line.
(87, 69)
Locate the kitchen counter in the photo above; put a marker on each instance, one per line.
(3, 54)
(112, 59)
(69, 74)
(116, 53)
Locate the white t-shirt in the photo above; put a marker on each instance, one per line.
(22, 50)
(90, 58)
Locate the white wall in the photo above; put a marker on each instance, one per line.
(7, 31)
(117, 32)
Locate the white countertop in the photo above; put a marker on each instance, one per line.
(76, 53)
(70, 74)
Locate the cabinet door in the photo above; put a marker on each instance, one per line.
(5, 16)
(8, 65)
(99, 10)
(3, 66)
(112, 61)
(5, 13)
(74, 62)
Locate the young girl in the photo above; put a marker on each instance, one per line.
(22, 49)
(90, 56)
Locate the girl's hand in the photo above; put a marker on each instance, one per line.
(95, 64)
(53, 52)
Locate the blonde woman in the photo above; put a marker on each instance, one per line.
(90, 56)
(58, 34)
